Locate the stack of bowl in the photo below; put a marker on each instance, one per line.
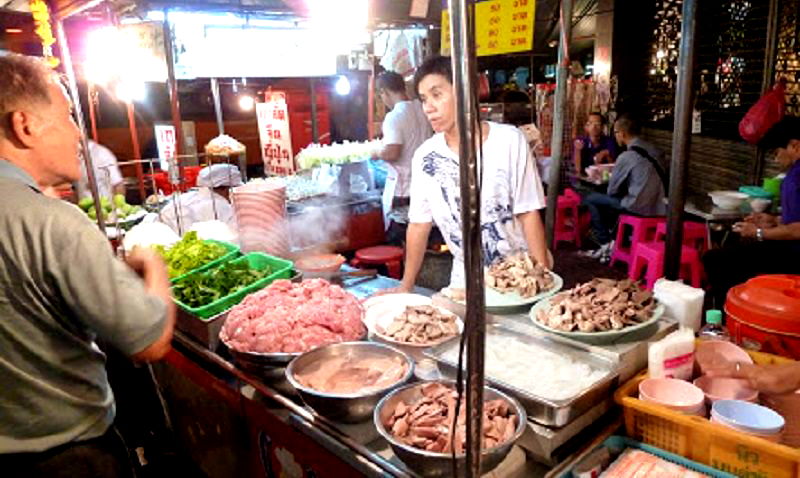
(788, 406)
(677, 395)
(711, 354)
(748, 418)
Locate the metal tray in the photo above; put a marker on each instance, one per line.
(555, 413)
(205, 331)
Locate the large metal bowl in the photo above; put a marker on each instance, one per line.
(347, 408)
(433, 464)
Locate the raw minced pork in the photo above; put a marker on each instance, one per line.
(288, 317)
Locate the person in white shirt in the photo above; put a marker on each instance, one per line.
(106, 173)
(405, 128)
(511, 191)
(206, 203)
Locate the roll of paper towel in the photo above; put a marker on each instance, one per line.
(681, 302)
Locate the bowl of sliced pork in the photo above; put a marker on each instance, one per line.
(417, 420)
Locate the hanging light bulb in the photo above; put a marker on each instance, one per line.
(246, 102)
(342, 86)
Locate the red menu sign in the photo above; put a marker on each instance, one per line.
(273, 131)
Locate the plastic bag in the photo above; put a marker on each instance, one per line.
(763, 115)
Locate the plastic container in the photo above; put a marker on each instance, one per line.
(618, 444)
(756, 192)
(711, 354)
(682, 303)
(749, 418)
(677, 395)
(233, 252)
(691, 437)
(725, 388)
(282, 269)
(714, 330)
(672, 356)
(773, 186)
(764, 314)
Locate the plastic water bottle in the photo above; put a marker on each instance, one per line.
(714, 330)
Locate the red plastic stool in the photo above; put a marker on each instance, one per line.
(643, 229)
(389, 256)
(695, 235)
(650, 255)
(568, 221)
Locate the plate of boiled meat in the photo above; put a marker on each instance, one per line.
(514, 281)
(410, 320)
(601, 311)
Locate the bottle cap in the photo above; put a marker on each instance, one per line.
(714, 316)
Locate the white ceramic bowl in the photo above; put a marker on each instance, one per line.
(760, 204)
(728, 199)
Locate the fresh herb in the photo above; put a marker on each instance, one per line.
(190, 253)
(203, 288)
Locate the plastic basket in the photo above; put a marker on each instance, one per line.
(282, 269)
(233, 252)
(698, 439)
(618, 444)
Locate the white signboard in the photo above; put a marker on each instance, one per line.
(166, 142)
(273, 131)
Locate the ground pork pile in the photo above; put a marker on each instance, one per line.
(288, 317)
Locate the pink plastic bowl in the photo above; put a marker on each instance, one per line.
(723, 388)
(672, 393)
(718, 353)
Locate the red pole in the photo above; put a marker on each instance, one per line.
(137, 155)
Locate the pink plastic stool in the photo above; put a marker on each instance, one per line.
(568, 225)
(389, 256)
(643, 229)
(695, 235)
(650, 256)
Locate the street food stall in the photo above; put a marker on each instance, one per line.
(281, 371)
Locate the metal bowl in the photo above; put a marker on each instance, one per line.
(433, 464)
(347, 408)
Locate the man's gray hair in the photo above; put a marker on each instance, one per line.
(24, 81)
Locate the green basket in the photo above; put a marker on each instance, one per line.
(282, 269)
(233, 252)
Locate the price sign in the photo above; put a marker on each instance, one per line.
(501, 26)
(273, 131)
(166, 143)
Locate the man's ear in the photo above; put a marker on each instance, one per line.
(25, 128)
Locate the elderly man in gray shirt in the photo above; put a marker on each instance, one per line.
(637, 186)
(61, 287)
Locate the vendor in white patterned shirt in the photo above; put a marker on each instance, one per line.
(511, 191)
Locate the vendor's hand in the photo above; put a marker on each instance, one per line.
(745, 229)
(602, 157)
(775, 379)
(578, 144)
(762, 220)
(401, 289)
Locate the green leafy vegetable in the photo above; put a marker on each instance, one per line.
(190, 253)
(206, 287)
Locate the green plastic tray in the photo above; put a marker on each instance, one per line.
(281, 268)
(233, 252)
(756, 192)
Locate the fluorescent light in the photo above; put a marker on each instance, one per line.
(13, 30)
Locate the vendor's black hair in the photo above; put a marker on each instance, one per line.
(435, 65)
(598, 114)
(779, 135)
(629, 125)
(391, 81)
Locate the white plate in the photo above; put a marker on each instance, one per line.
(498, 300)
(380, 311)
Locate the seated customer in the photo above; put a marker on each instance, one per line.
(206, 203)
(595, 147)
(637, 186)
(775, 248)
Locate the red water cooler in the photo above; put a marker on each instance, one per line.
(764, 314)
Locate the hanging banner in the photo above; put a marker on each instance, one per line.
(273, 131)
(501, 26)
(166, 144)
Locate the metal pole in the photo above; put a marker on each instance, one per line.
(217, 105)
(559, 116)
(91, 94)
(681, 140)
(469, 129)
(314, 125)
(172, 86)
(72, 84)
(137, 153)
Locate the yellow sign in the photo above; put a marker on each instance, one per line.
(501, 26)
